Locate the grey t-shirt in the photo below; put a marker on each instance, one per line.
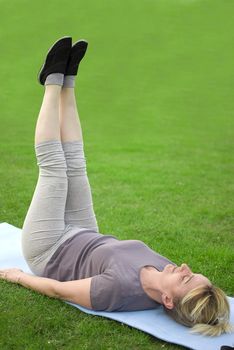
(114, 266)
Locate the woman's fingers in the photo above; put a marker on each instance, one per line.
(2, 274)
(11, 275)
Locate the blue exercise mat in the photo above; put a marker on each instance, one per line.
(154, 322)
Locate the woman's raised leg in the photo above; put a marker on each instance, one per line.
(79, 209)
(44, 222)
(47, 126)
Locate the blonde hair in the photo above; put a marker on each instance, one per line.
(205, 309)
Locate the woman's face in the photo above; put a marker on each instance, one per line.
(177, 281)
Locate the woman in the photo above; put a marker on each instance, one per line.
(60, 238)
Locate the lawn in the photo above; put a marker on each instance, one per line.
(155, 97)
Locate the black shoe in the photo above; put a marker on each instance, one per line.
(56, 59)
(77, 53)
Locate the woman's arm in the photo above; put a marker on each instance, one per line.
(77, 291)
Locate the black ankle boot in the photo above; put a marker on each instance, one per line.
(77, 53)
(56, 59)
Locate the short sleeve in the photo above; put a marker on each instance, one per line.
(105, 292)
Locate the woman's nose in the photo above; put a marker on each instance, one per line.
(184, 267)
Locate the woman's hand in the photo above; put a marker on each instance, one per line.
(11, 275)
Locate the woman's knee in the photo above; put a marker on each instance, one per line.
(51, 159)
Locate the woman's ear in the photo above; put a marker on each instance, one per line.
(167, 301)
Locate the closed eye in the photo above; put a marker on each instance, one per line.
(188, 279)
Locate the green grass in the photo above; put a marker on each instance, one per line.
(155, 96)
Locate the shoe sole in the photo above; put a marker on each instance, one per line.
(42, 67)
(81, 40)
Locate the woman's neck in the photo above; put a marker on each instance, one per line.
(150, 281)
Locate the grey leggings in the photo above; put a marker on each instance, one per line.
(61, 203)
